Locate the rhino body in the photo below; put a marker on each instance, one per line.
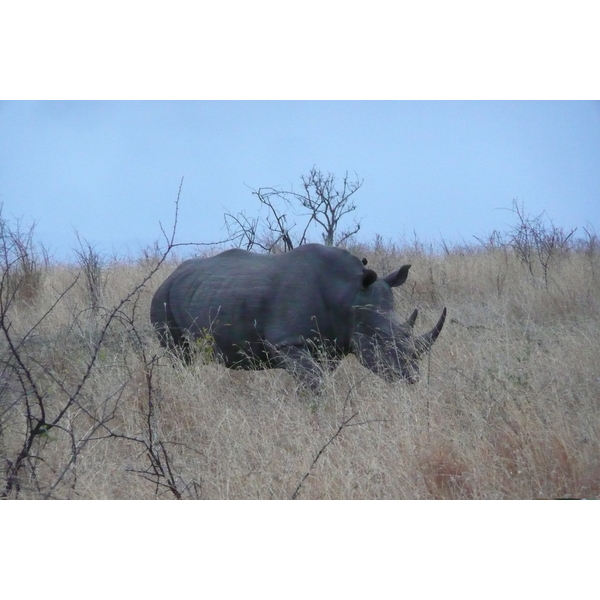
(291, 311)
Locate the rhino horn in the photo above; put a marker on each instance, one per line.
(424, 342)
(411, 320)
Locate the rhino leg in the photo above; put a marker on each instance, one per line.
(299, 363)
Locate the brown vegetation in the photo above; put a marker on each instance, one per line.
(508, 405)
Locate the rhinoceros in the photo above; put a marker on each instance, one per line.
(300, 310)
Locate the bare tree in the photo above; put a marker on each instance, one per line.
(538, 236)
(22, 262)
(269, 234)
(43, 403)
(534, 240)
(323, 202)
(92, 265)
(327, 204)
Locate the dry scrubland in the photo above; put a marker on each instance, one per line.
(508, 405)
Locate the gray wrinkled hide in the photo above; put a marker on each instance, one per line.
(290, 310)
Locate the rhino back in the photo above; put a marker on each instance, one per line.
(244, 297)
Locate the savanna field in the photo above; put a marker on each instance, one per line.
(507, 407)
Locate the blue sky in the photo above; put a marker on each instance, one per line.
(111, 170)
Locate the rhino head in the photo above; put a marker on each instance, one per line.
(381, 343)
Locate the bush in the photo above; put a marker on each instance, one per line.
(22, 264)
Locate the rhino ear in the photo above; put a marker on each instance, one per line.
(369, 277)
(397, 277)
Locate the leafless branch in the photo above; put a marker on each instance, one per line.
(321, 203)
(342, 426)
(44, 413)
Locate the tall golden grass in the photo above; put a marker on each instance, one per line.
(508, 405)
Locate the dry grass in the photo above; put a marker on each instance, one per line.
(508, 405)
